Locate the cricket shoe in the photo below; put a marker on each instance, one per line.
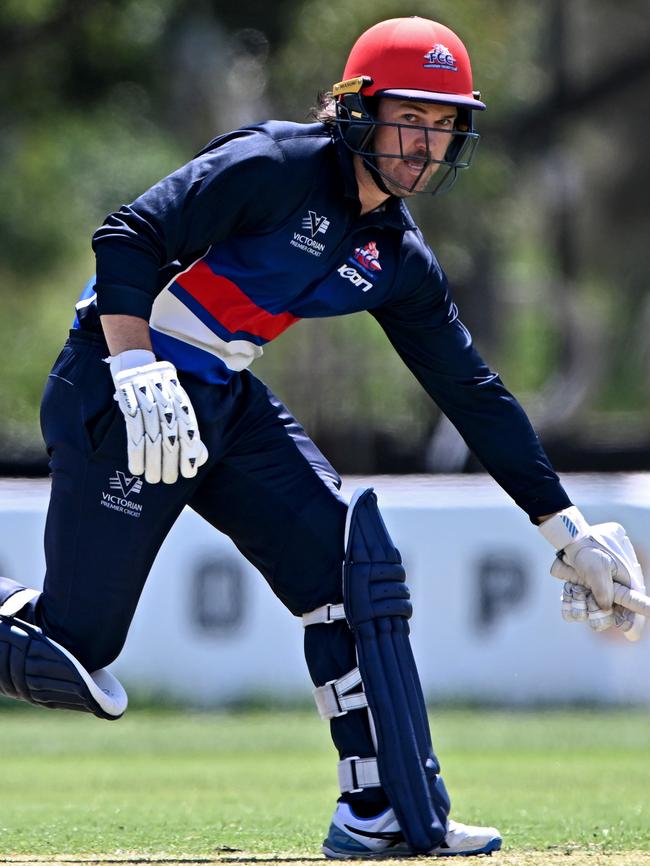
(351, 837)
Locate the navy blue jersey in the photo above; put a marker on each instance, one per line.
(262, 229)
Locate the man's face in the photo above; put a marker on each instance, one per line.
(415, 146)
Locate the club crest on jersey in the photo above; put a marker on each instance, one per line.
(367, 257)
(312, 225)
(366, 266)
(440, 57)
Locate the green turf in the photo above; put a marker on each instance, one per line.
(199, 783)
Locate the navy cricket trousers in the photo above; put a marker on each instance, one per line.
(265, 485)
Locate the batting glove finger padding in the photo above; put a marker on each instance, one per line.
(596, 558)
(162, 430)
(574, 603)
(193, 452)
(579, 605)
(599, 620)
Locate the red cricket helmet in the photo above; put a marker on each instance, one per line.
(413, 58)
(407, 58)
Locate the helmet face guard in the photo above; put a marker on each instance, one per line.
(409, 59)
(358, 129)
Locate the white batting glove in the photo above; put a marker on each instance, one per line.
(594, 557)
(579, 605)
(161, 428)
(574, 603)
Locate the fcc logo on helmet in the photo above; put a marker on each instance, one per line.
(440, 57)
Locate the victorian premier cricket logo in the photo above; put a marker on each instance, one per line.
(123, 488)
(307, 241)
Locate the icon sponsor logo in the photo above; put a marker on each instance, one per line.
(440, 57)
(362, 267)
(123, 487)
(352, 274)
(312, 225)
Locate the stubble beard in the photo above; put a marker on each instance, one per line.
(402, 188)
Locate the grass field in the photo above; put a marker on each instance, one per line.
(570, 787)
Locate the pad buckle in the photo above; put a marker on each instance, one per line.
(326, 614)
(334, 698)
(356, 774)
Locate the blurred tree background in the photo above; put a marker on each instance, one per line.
(546, 238)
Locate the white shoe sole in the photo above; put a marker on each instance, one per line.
(398, 852)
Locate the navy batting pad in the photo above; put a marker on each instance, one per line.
(34, 668)
(377, 608)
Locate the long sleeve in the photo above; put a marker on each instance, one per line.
(424, 328)
(231, 186)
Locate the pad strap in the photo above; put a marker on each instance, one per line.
(327, 613)
(333, 699)
(355, 774)
(17, 601)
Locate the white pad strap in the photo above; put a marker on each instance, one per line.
(327, 613)
(17, 601)
(355, 774)
(333, 699)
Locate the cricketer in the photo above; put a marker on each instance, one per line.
(151, 406)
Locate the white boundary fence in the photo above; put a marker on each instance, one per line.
(487, 622)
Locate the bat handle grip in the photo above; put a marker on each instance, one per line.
(632, 599)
